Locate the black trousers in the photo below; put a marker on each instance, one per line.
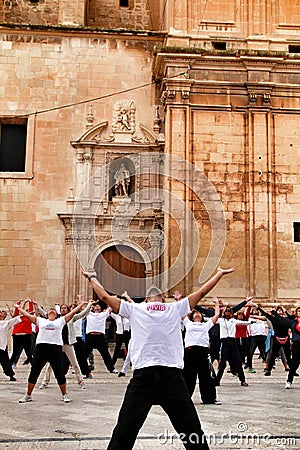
(5, 363)
(295, 360)
(21, 341)
(275, 350)
(164, 386)
(119, 342)
(230, 352)
(197, 365)
(47, 353)
(81, 355)
(260, 342)
(97, 341)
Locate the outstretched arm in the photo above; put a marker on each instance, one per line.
(195, 297)
(110, 300)
(217, 310)
(72, 313)
(25, 313)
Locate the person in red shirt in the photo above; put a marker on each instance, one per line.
(243, 338)
(22, 334)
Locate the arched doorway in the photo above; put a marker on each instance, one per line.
(121, 268)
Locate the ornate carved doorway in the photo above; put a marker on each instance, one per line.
(121, 268)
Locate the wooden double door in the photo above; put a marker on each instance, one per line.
(121, 268)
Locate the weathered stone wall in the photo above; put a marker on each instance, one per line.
(41, 72)
(109, 15)
(44, 12)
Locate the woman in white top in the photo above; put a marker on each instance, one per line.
(229, 347)
(196, 354)
(95, 335)
(49, 345)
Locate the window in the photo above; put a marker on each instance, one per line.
(296, 231)
(294, 48)
(13, 145)
(219, 45)
(124, 3)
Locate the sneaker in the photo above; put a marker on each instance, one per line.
(12, 379)
(288, 385)
(114, 371)
(14, 366)
(244, 383)
(43, 386)
(267, 373)
(89, 375)
(25, 399)
(217, 402)
(121, 374)
(296, 374)
(251, 371)
(82, 385)
(65, 398)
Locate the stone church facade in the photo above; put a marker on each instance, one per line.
(150, 141)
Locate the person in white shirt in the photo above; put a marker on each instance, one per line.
(5, 326)
(95, 335)
(49, 345)
(196, 354)
(156, 352)
(229, 347)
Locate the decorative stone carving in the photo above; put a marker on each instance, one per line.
(266, 97)
(252, 97)
(124, 117)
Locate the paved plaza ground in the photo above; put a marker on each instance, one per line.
(263, 416)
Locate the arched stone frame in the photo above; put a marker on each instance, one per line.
(110, 243)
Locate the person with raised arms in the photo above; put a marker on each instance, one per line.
(157, 362)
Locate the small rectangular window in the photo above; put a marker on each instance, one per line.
(219, 45)
(13, 145)
(294, 48)
(124, 3)
(296, 231)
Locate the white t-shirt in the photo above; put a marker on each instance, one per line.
(228, 327)
(258, 328)
(6, 325)
(126, 324)
(95, 322)
(197, 332)
(50, 331)
(156, 338)
(119, 322)
(78, 328)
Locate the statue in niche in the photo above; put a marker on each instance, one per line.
(122, 180)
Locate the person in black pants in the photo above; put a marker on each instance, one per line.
(229, 347)
(95, 335)
(5, 326)
(156, 353)
(294, 325)
(280, 339)
(196, 355)
(214, 332)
